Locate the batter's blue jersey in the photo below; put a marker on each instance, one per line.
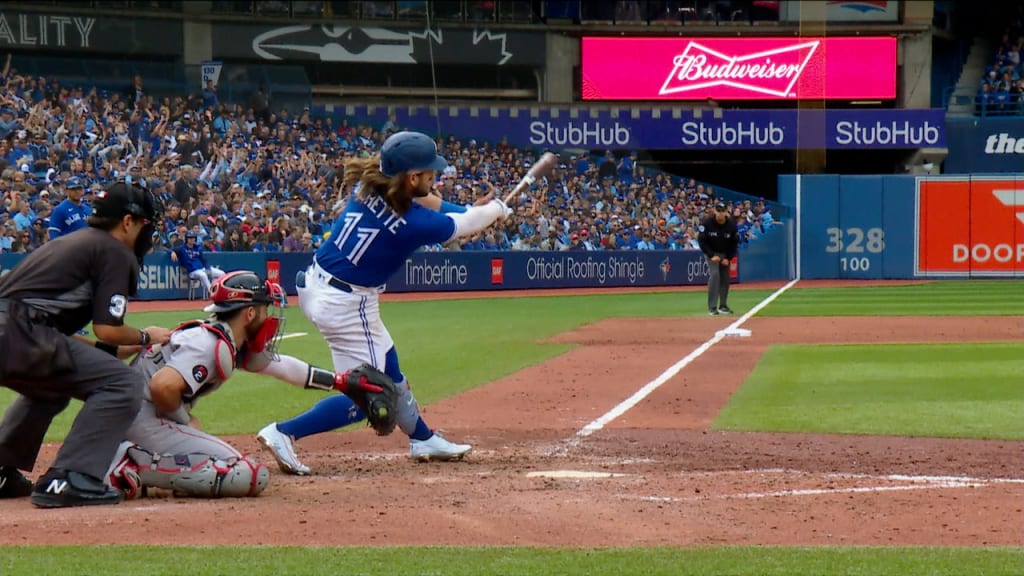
(68, 217)
(369, 242)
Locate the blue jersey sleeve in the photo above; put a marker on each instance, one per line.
(57, 218)
(447, 207)
(431, 227)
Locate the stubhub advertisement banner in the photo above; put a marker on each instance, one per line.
(654, 129)
(985, 145)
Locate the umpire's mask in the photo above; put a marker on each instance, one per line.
(120, 199)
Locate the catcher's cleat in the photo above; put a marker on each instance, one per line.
(280, 445)
(437, 448)
(13, 484)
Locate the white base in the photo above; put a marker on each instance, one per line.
(741, 332)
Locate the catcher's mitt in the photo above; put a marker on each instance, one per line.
(381, 408)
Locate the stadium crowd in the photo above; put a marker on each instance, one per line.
(1001, 90)
(259, 178)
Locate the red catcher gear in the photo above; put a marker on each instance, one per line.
(243, 288)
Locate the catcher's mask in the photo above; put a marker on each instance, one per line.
(243, 288)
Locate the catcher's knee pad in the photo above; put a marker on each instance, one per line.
(238, 477)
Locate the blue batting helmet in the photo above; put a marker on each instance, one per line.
(407, 151)
(191, 235)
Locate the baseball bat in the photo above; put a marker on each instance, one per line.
(539, 169)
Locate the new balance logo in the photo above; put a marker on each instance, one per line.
(56, 486)
(1012, 198)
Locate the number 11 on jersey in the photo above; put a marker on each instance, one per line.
(364, 237)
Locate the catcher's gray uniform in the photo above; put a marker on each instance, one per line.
(192, 352)
(165, 450)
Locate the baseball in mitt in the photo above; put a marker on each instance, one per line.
(374, 393)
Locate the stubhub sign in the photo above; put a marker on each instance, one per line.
(668, 129)
(985, 145)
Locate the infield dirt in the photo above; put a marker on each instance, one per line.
(660, 476)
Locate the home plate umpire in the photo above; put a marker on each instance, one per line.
(44, 302)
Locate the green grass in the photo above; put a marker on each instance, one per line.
(942, 390)
(735, 561)
(445, 347)
(953, 298)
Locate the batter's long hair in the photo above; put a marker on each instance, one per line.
(366, 173)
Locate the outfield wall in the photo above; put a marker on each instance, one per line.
(904, 227)
(162, 279)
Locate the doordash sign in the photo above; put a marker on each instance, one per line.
(970, 226)
(739, 68)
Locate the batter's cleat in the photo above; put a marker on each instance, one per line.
(13, 484)
(437, 448)
(724, 310)
(124, 473)
(713, 312)
(65, 488)
(280, 445)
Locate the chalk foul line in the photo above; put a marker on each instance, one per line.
(294, 335)
(667, 375)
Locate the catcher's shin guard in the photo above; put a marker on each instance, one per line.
(219, 478)
(201, 476)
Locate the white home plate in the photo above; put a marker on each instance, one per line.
(575, 474)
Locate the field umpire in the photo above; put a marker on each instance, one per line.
(44, 302)
(719, 241)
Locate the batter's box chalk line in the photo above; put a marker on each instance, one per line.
(908, 482)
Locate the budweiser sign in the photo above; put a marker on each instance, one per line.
(773, 72)
(738, 68)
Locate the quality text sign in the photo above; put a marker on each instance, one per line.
(779, 68)
(970, 227)
(82, 34)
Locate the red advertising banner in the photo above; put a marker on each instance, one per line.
(739, 68)
(970, 227)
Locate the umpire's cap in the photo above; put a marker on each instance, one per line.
(119, 200)
(239, 289)
(407, 151)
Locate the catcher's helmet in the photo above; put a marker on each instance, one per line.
(242, 288)
(406, 151)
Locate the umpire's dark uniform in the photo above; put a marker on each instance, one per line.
(55, 292)
(718, 237)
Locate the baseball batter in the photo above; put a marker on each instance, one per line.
(164, 447)
(381, 226)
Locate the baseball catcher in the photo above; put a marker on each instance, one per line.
(165, 448)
